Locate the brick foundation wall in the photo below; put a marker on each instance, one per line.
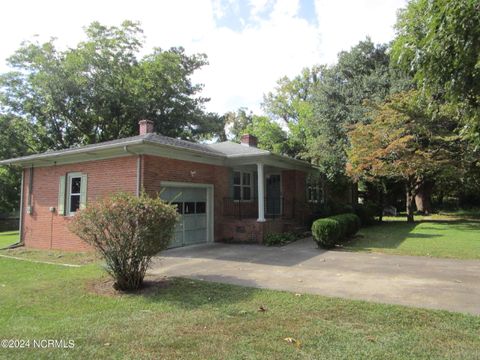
(46, 230)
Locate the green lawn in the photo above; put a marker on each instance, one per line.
(454, 235)
(197, 320)
(8, 238)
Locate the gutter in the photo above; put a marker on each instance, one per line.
(80, 150)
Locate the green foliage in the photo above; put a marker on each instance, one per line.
(326, 232)
(407, 141)
(334, 230)
(127, 231)
(361, 76)
(290, 102)
(270, 134)
(438, 42)
(272, 239)
(17, 138)
(100, 89)
(366, 213)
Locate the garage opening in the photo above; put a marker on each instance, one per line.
(192, 206)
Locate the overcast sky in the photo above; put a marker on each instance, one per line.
(250, 44)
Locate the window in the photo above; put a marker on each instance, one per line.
(72, 193)
(189, 208)
(201, 207)
(314, 193)
(242, 186)
(74, 190)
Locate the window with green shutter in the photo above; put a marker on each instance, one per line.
(61, 196)
(72, 193)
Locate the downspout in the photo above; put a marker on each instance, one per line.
(139, 169)
(20, 219)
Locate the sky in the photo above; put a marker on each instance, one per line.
(250, 44)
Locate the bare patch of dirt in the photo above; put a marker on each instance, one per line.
(105, 286)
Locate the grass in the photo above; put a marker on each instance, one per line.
(188, 319)
(8, 238)
(445, 235)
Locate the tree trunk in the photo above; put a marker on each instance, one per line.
(380, 214)
(410, 201)
(422, 198)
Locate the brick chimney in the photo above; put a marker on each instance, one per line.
(146, 126)
(249, 140)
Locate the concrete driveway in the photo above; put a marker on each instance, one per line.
(302, 268)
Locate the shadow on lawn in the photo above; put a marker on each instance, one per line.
(180, 292)
(193, 293)
(390, 234)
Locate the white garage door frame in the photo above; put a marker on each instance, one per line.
(210, 197)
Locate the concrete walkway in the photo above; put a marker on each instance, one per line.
(302, 268)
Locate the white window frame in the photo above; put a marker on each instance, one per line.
(69, 193)
(242, 185)
(316, 190)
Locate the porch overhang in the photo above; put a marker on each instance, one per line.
(273, 160)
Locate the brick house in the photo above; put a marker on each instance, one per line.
(223, 191)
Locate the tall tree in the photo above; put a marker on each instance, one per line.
(99, 90)
(17, 138)
(406, 141)
(235, 123)
(361, 75)
(269, 133)
(438, 42)
(291, 103)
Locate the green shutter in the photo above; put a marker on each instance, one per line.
(61, 196)
(83, 192)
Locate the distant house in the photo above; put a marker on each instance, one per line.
(223, 191)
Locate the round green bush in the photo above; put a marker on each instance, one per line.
(326, 232)
(334, 230)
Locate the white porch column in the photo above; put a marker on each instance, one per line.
(261, 193)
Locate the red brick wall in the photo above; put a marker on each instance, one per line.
(43, 229)
(157, 169)
(46, 230)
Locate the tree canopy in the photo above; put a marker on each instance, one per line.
(100, 89)
(438, 42)
(96, 91)
(405, 141)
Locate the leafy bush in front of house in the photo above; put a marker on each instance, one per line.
(272, 239)
(326, 232)
(333, 230)
(366, 213)
(127, 231)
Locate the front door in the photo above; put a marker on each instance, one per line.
(273, 191)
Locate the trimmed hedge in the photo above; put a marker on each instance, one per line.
(334, 230)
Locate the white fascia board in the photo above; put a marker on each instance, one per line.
(270, 160)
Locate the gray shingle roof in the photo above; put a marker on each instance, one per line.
(229, 148)
(226, 149)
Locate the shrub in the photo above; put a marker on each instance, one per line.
(279, 239)
(366, 213)
(127, 231)
(333, 230)
(326, 232)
